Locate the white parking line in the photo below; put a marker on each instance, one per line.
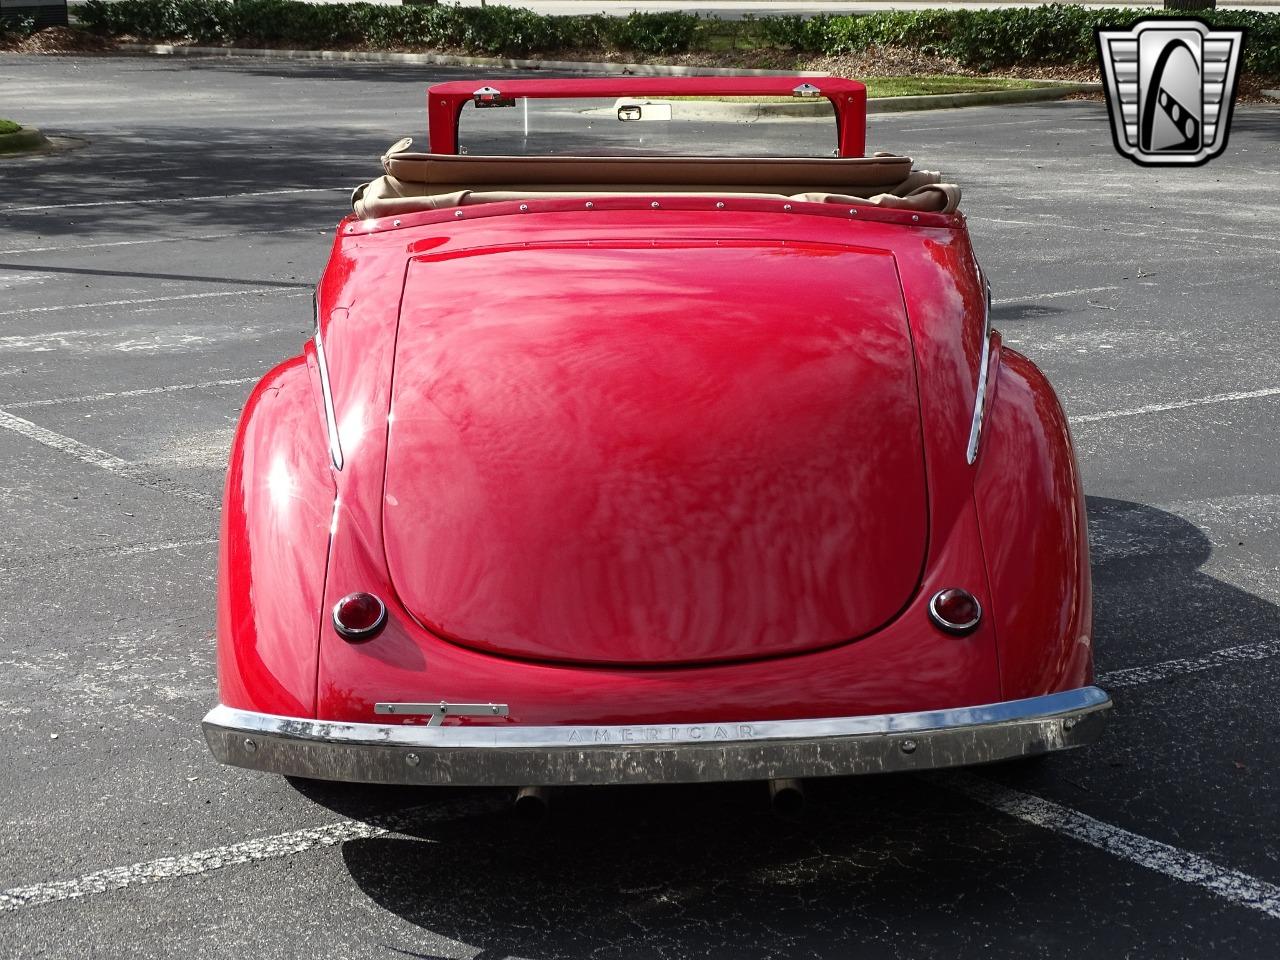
(1237, 887)
(1021, 223)
(248, 851)
(141, 392)
(282, 291)
(169, 868)
(141, 548)
(113, 552)
(1216, 282)
(1052, 296)
(1272, 239)
(132, 202)
(103, 460)
(17, 251)
(1166, 669)
(1054, 224)
(1176, 405)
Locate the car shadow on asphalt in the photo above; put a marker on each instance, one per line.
(132, 184)
(1152, 601)
(1018, 312)
(894, 864)
(694, 870)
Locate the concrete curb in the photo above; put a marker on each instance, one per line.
(24, 140)
(943, 101)
(451, 60)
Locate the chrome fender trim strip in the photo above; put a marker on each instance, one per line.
(330, 415)
(980, 401)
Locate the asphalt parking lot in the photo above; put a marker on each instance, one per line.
(149, 278)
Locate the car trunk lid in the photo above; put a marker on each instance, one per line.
(654, 453)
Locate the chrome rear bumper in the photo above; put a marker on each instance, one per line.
(513, 755)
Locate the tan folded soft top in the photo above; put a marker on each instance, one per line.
(424, 181)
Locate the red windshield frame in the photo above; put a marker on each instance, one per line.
(848, 97)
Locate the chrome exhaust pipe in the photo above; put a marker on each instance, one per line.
(532, 804)
(786, 796)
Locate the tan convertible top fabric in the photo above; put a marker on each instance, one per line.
(422, 181)
(388, 197)
(477, 171)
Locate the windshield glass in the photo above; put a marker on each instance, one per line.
(638, 126)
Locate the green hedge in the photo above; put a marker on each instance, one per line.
(982, 39)
(495, 31)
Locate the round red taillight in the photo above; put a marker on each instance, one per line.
(955, 610)
(358, 616)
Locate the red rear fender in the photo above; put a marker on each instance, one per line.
(1032, 515)
(275, 537)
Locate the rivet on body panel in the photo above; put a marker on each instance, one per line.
(654, 204)
(251, 745)
(908, 746)
(719, 204)
(786, 206)
(457, 213)
(395, 223)
(590, 204)
(524, 208)
(412, 759)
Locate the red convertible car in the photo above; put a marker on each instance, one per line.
(636, 468)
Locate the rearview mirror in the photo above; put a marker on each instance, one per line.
(628, 109)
